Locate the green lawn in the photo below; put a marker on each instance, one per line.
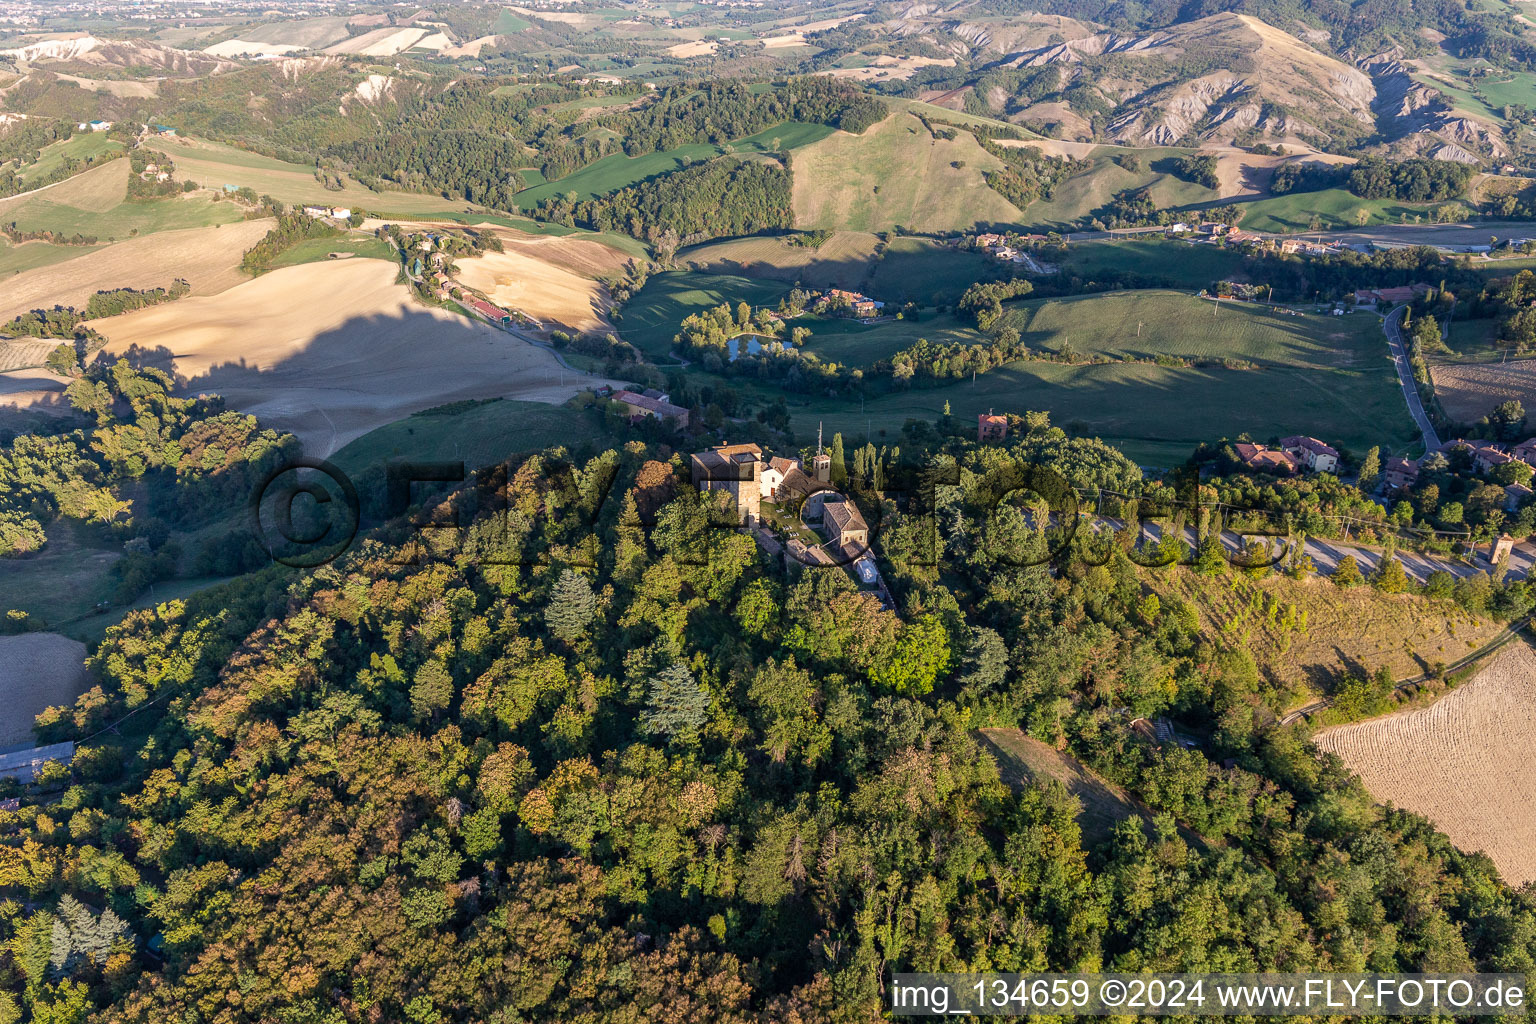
(619, 171)
(1179, 264)
(479, 433)
(1154, 413)
(1472, 341)
(652, 317)
(1088, 190)
(508, 23)
(1337, 208)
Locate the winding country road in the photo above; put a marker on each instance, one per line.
(1393, 327)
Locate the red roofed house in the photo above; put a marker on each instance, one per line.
(1312, 453)
(1258, 456)
(494, 314)
(1400, 473)
(990, 427)
(1489, 455)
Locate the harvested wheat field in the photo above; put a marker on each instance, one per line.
(1470, 391)
(1467, 762)
(329, 351)
(518, 280)
(208, 258)
(97, 190)
(32, 391)
(37, 671)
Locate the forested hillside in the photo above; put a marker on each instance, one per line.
(602, 762)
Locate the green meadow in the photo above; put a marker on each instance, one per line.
(619, 171)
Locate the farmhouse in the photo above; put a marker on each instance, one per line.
(1391, 296)
(1525, 451)
(1400, 473)
(638, 407)
(990, 427)
(1259, 456)
(495, 314)
(1516, 495)
(1312, 453)
(863, 306)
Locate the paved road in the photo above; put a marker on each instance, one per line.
(1326, 553)
(1393, 326)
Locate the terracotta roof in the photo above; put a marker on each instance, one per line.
(1310, 444)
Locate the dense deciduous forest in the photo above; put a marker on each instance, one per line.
(148, 462)
(604, 762)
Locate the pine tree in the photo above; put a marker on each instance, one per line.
(630, 551)
(676, 705)
(571, 607)
(839, 469)
(1390, 577)
(1348, 573)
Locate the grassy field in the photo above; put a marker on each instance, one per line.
(856, 344)
(94, 202)
(1148, 324)
(1025, 761)
(652, 317)
(1158, 415)
(314, 250)
(896, 173)
(1086, 192)
(85, 146)
(479, 433)
(619, 171)
(1346, 629)
(1337, 208)
(1182, 264)
(30, 255)
(928, 273)
(213, 165)
(1471, 341)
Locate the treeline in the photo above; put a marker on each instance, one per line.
(1027, 173)
(148, 461)
(716, 112)
(723, 198)
(470, 142)
(15, 234)
(293, 227)
(1414, 181)
(65, 321)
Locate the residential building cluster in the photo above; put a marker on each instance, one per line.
(1295, 454)
(1400, 474)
